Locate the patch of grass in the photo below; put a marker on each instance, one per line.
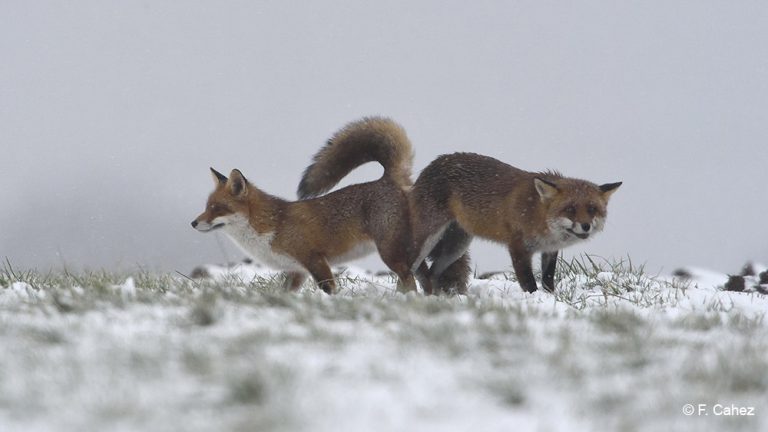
(608, 342)
(203, 314)
(197, 361)
(735, 367)
(509, 390)
(45, 336)
(622, 322)
(249, 389)
(699, 321)
(588, 281)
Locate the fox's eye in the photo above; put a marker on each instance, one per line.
(570, 210)
(591, 209)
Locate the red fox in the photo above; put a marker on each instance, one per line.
(309, 235)
(462, 195)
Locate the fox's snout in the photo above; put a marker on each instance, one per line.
(203, 225)
(200, 226)
(580, 230)
(577, 228)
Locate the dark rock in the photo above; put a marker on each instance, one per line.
(200, 273)
(735, 283)
(682, 273)
(764, 278)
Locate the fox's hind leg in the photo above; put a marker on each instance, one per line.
(426, 233)
(425, 242)
(453, 244)
(393, 255)
(406, 283)
(455, 279)
(422, 275)
(449, 251)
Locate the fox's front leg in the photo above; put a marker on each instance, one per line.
(320, 270)
(521, 261)
(293, 280)
(548, 264)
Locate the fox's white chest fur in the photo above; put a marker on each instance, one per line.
(258, 245)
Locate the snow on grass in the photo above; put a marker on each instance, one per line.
(613, 349)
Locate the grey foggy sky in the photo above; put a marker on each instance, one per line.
(112, 112)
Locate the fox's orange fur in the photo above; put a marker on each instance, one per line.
(462, 195)
(308, 236)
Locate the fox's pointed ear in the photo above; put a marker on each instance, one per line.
(218, 177)
(546, 190)
(609, 188)
(237, 183)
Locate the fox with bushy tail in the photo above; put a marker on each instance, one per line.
(384, 141)
(371, 139)
(310, 235)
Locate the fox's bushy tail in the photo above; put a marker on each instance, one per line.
(370, 139)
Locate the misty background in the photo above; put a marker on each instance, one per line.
(112, 112)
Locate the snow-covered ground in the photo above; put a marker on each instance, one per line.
(613, 350)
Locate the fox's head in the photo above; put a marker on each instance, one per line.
(225, 203)
(574, 208)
